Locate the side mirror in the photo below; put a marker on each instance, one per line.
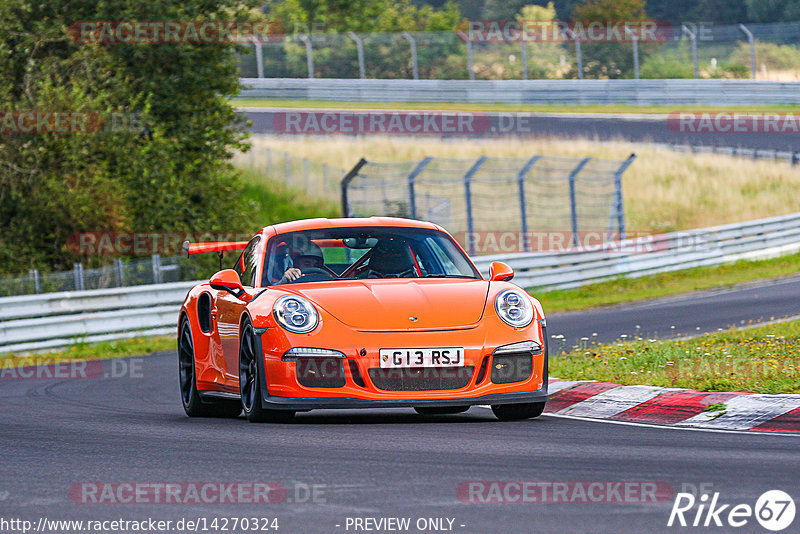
(500, 272)
(229, 281)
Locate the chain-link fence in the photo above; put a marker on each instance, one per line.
(313, 177)
(121, 273)
(763, 51)
(495, 198)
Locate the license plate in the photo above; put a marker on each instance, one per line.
(430, 357)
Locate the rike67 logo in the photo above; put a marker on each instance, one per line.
(774, 510)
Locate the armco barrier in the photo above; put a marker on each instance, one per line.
(637, 92)
(33, 322)
(757, 239)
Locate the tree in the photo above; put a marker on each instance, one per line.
(609, 59)
(172, 172)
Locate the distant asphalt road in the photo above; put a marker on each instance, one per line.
(637, 128)
(128, 427)
(691, 314)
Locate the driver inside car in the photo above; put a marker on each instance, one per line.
(309, 257)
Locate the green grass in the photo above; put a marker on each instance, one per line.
(119, 348)
(624, 290)
(270, 201)
(499, 107)
(765, 359)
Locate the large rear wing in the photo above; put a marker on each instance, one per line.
(221, 246)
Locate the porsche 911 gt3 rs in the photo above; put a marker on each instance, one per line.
(358, 313)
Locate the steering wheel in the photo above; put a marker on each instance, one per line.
(316, 274)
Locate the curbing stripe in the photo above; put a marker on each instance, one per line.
(673, 406)
(613, 401)
(676, 407)
(746, 412)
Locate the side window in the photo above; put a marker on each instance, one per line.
(246, 264)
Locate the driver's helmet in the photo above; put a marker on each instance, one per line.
(308, 252)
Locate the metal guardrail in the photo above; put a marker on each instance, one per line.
(34, 322)
(639, 92)
(674, 251)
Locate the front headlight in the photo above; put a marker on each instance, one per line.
(295, 314)
(514, 308)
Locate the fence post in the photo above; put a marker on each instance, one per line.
(523, 205)
(307, 176)
(412, 199)
(794, 158)
(693, 38)
(468, 40)
(360, 50)
(523, 49)
(346, 182)
(573, 205)
(78, 274)
(35, 276)
(468, 197)
(120, 272)
(414, 64)
(156, 259)
(259, 57)
(288, 168)
(309, 54)
(752, 41)
(578, 54)
(635, 40)
(619, 206)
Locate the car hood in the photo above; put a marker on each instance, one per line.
(390, 304)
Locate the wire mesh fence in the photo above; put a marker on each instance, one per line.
(490, 199)
(763, 51)
(156, 269)
(313, 177)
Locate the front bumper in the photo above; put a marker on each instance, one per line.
(281, 390)
(290, 403)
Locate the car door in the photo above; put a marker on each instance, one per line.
(230, 309)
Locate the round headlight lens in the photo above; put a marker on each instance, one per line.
(514, 308)
(295, 314)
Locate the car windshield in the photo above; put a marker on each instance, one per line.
(359, 253)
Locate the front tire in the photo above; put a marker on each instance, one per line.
(193, 405)
(516, 412)
(250, 381)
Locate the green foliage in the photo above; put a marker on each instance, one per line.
(610, 59)
(774, 56)
(171, 173)
(666, 66)
(386, 55)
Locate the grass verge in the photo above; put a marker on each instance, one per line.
(724, 189)
(119, 348)
(624, 290)
(499, 107)
(271, 202)
(765, 359)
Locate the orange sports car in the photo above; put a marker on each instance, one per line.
(358, 313)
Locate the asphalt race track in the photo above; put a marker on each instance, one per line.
(690, 315)
(57, 434)
(391, 463)
(602, 127)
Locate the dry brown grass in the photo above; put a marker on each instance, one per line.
(664, 190)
